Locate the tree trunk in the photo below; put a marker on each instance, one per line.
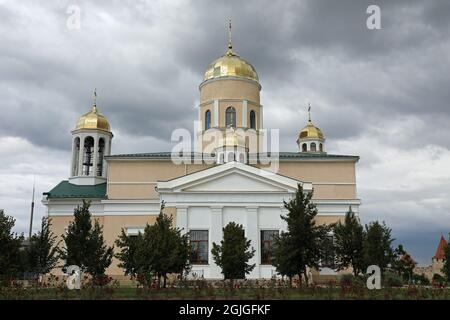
(165, 281)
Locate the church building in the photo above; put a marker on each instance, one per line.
(230, 175)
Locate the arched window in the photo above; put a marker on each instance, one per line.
(320, 147)
(88, 155)
(101, 151)
(252, 120)
(230, 117)
(76, 156)
(207, 120)
(230, 157)
(241, 158)
(313, 146)
(304, 147)
(222, 158)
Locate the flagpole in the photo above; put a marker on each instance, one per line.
(32, 210)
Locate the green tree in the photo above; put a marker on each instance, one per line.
(84, 244)
(11, 257)
(128, 254)
(162, 250)
(377, 245)
(446, 266)
(283, 256)
(349, 243)
(42, 251)
(233, 252)
(403, 264)
(304, 239)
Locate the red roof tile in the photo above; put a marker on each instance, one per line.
(440, 254)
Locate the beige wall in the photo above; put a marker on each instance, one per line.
(237, 89)
(137, 179)
(112, 226)
(330, 179)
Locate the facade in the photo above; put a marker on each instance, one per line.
(229, 176)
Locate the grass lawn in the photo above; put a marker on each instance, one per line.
(209, 293)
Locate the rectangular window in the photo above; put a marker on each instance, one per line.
(199, 246)
(267, 242)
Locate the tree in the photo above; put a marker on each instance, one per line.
(283, 255)
(11, 258)
(303, 240)
(233, 253)
(349, 243)
(446, 266)
(160, 251)
(84, 244)
(377, 245)
(403, 264)
(42, 252)
(129, 246)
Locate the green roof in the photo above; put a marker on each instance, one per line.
(64, 189)
(282, 156)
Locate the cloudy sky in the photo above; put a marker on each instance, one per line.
(380, 94)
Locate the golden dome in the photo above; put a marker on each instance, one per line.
(93, 120)
(310, 131)
(230, 65)
(233, 139)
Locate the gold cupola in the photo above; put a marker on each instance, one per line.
(310, 131)
(93, 119)
(230, 65)
(310, 138)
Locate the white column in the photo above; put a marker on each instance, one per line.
(182, 219)
(251, 232)
(215, 235)
(81, 155)
(216, 113)
(260, 116)
(283, 224)
(106, 152)
(72, 173)
(244, 113)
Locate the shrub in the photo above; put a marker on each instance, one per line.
(420, 279)
(392, 280)
(438, 279)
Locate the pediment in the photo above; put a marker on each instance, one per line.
(232, 177)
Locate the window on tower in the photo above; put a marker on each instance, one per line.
(230, 117)
(88, 155)
(320, 147)
(304, 147)
(252, 120)
(207, 120)
(313, 146)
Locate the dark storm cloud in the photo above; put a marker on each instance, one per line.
(148, 60)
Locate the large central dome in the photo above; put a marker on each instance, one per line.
(230, 65)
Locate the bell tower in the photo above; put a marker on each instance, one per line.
(91, 141)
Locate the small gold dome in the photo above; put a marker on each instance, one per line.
(310, 131)
(233, 139)
(93, 120)
(231, 65)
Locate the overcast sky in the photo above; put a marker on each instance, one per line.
(380, 94)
